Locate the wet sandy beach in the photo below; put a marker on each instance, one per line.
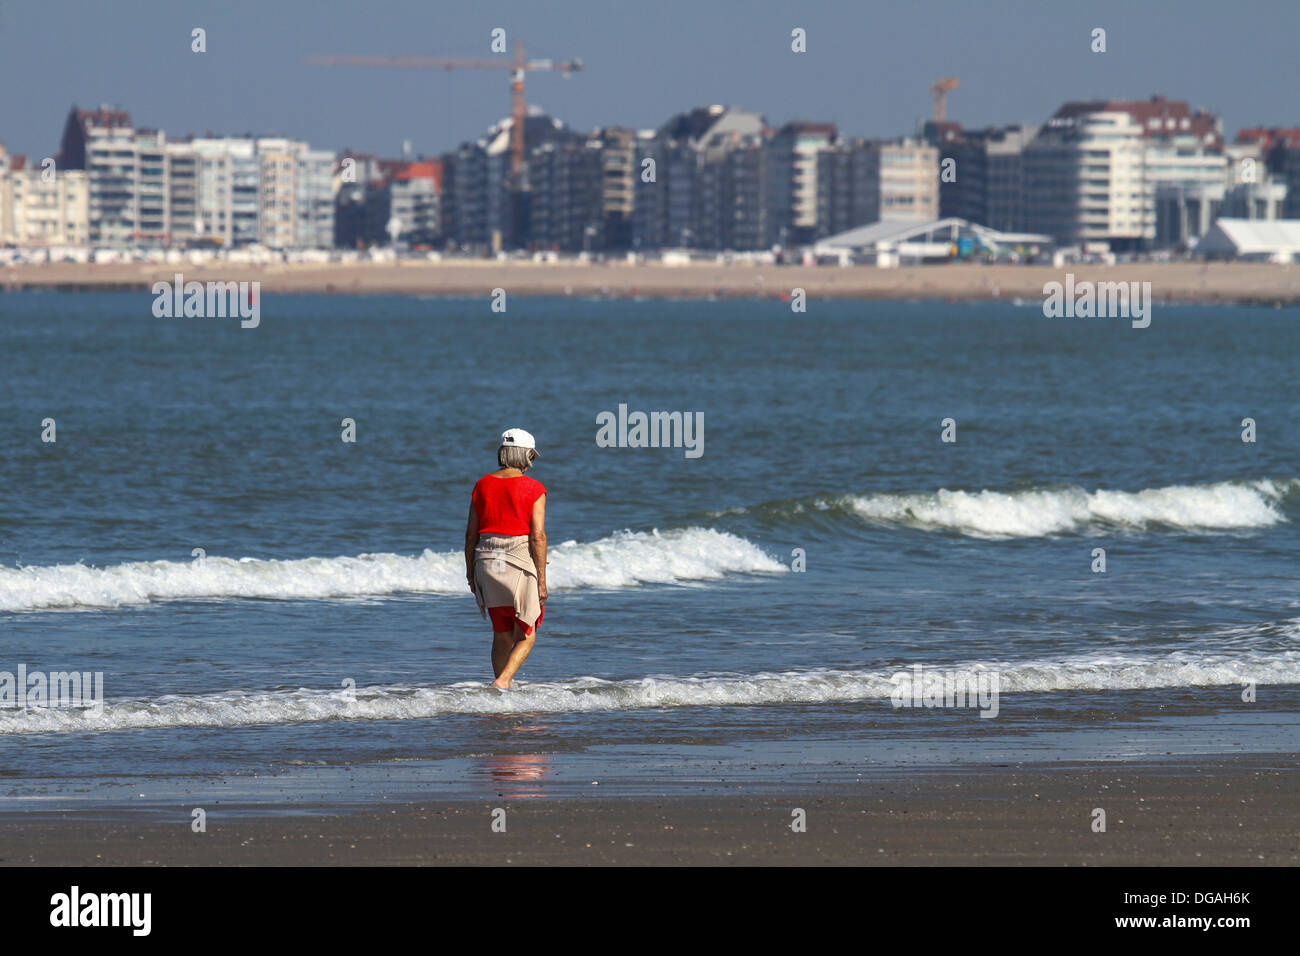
(1212, 812)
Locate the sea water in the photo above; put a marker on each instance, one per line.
(279, 613)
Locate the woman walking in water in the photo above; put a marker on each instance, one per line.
(505, 553)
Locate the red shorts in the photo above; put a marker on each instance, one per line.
(503, 619)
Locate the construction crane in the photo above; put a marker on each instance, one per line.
(517, 67)
(940, 89)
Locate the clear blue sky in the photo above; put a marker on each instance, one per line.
(868, 66)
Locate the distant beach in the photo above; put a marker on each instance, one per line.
(1189, 282)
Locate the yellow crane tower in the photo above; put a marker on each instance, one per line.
(518, 66)
(940, 89)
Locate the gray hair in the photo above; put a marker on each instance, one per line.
(513, 456)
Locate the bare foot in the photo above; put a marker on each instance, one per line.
(501, 686)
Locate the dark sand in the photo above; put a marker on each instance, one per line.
(1251, 283)
(1215, 811)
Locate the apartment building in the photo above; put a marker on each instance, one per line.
(314, 198)
(152, 191)
(984, 182)
(791, 176)
(694, 169)
(619, 170)
(277, 168)
(41, 205)
(144, 190)
(729, 192)
(183, 192)
(228, 208)
(565, 181)
(1279, 150)
(129, 196)
(1095, 170)
(295, 194)
(744, 209)
(848, 193)
(906, 174)
(413, 201)
(480, 210)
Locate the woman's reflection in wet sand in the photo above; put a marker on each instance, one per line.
(516, 775)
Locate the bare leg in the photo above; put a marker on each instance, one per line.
(503, 643)
(523, 647)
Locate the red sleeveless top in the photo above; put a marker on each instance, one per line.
(505, 505)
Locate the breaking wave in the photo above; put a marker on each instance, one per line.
(1042, 512)
(398, 702)
(626, 559)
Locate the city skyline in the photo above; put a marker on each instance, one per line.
(253, 80)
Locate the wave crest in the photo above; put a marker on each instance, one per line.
(1042, 512)
(626, 559)
(593, 694)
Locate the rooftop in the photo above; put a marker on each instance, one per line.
(1247, 236)
(1268, 137)
(1143, 112)
(894, 231)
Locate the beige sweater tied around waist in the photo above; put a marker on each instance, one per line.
(505, 575)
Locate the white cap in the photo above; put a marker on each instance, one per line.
(518, 438)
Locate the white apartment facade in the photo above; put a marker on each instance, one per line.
(314, 198)
(1127, 173)
(277, 166)
(907, 171)
(128, 193)
(228, 191)
(274, 191)
(233, 191)
(41, 205)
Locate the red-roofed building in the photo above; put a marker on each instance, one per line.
(429, 169)
(388, 200)
(1268, 138)
(414, 194)
(1157, 117)
(1095, 170)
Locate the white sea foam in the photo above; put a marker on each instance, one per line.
(621, 560)
(1033, 513)
(1181, 669)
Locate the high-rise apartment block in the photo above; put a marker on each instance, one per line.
(146, 191)
(1095, 170)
